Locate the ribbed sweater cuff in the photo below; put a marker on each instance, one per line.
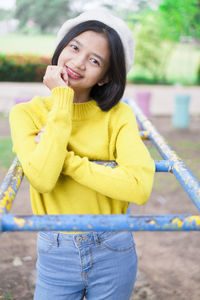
(63, 98)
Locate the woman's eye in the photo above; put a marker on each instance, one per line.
(93, 60)
(74, 47)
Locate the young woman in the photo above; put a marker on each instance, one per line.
(56, 139)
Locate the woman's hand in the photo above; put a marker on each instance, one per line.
(38, 136)
(55, 76)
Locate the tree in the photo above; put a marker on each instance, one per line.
(45, 14)
(151, 53)
(180, 18)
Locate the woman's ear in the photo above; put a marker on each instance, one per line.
(103, 81)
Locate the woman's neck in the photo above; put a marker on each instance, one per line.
(81, 96)
(81, 100)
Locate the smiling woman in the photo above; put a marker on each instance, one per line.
(105, 58)
(84, 65)
(58, 138)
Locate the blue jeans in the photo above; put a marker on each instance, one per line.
(97, 265)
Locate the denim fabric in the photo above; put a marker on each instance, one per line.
(97, 265)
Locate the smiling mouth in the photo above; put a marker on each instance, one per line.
(72, 74)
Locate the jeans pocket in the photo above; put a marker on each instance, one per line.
(44, 243)
(119, 241)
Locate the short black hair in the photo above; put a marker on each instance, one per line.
(110, 93)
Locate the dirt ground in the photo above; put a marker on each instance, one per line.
(169, 264)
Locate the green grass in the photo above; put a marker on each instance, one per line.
(6, 296)
(34, 44)
(6, 154)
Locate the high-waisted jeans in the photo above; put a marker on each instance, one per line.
(97, 265)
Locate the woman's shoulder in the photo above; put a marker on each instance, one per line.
(121, 115)
(122, 111)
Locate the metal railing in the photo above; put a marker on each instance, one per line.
(171, 163)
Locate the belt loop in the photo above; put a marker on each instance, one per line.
(96, 238)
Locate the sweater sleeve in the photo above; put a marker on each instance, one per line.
(42, 163)
(131, 181)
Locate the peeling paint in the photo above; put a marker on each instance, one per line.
(177, 222)
(19, 221)
(195, 219)
(182, 173)
(152, 222)
(171, 163)
(10, 186)
(101, 223)
(145, 134)
(30, 223)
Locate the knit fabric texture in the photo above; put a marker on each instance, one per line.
(63, 180)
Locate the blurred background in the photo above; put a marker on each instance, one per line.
(167, 36)
(165, 81)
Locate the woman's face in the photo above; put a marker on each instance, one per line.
(86, 60)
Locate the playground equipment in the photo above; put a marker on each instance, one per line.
(180, 117)
(143, 101)
(171, 163)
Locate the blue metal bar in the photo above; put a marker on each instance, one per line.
(160, 165)
(100, 223)
(145, 135)
(164, 166)
(188, 181)
(14, 177)
(10, 186)
(107, 222)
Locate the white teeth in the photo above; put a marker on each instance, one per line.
(73, 73)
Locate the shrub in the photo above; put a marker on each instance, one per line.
(22, 68)
(139, 79)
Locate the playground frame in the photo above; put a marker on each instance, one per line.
(171, 163)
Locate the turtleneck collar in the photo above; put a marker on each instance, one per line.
(84, 110)
(81, 110)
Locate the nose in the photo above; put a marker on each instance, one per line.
(80, 62)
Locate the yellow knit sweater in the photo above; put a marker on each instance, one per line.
(63, 180)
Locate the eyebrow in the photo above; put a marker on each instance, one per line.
(95, 54)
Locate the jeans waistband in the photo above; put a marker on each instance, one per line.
(77, 238)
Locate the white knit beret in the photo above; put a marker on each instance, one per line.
(104, 16)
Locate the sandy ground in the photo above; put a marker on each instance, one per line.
(169, 264)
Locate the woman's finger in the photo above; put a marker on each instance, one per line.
(55, 76)
(64, 75)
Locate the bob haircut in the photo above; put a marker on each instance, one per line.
(109, 94)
